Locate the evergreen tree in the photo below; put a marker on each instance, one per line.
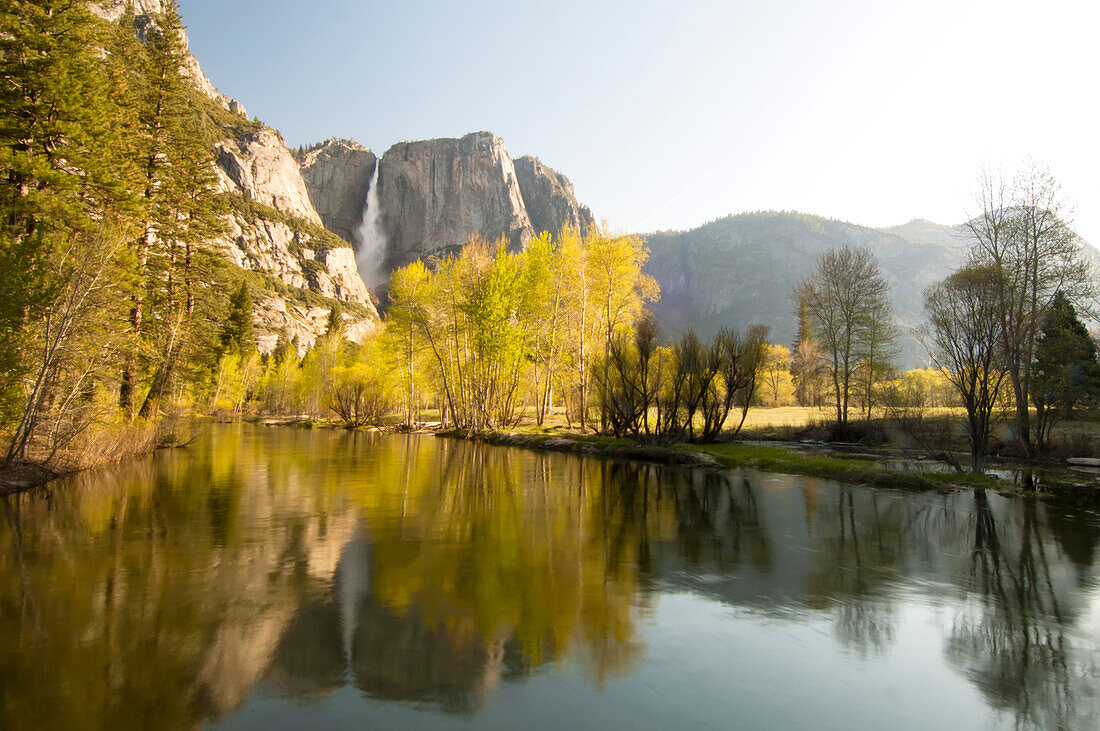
(63, 193)
(807, 359)
(335, 325)
(238, 331)
(1065, 373)
(182, 215)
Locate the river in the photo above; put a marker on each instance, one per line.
(284, 578)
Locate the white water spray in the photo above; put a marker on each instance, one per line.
(371, 257)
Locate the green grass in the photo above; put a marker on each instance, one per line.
(773, 458)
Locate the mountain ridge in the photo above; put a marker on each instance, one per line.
(742, 268)
(305, 209)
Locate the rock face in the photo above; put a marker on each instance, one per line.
(284, 241)
(260, 167)
(303, 271)
(549, 198)
(434, 194)
(275, 249)
(145, 12)
(337, 175)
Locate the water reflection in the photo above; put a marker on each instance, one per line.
(295, 564)
(1010, 639)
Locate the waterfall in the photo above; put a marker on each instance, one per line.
(371, 255)
(353, 584)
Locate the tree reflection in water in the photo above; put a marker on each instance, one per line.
(429, 571)
(1010, 637)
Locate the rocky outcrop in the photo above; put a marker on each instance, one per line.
(300, 262)
(259, 166)
(434, 194)
(145, 15)
(276, 315)
(340, 279)
(549, 198)
(337, 175)
(283, 240)
(304, 269)
(274, 248)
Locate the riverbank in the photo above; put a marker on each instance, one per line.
(779, 457)
(22, 476)
(787, 459)
(105, 445)
(591, 446)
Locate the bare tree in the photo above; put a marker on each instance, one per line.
(878, 347)
(965, 342)
(807, 372)
(845, 301)
(70, 340)
(1023, 232)
(739, 360)
(360, 401)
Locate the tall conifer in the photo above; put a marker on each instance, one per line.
(182, 213)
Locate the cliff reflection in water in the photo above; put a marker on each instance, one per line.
(294, 564)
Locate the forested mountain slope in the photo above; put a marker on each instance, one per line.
(741, 269)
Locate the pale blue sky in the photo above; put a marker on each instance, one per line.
(666, 115)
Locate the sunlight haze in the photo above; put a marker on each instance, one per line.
(666, 115)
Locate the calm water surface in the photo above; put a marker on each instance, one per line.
(278, 578)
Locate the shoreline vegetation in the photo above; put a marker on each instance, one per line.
(780, 458)
(123, 319)
(759, 449)
(111, 444)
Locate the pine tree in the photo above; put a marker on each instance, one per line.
(182, 215)
(238, 332)
(807, 359)
(1065, 374)
(335, 325)
(63, 193)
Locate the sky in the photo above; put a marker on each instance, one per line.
(666, 115)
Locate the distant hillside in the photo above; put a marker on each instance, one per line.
(741, 269)
(920, 229)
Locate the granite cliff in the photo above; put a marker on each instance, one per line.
(435, 193)
(549, 197)
(258, 166)
(337, 174)
(302, 269)
(298, 270)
